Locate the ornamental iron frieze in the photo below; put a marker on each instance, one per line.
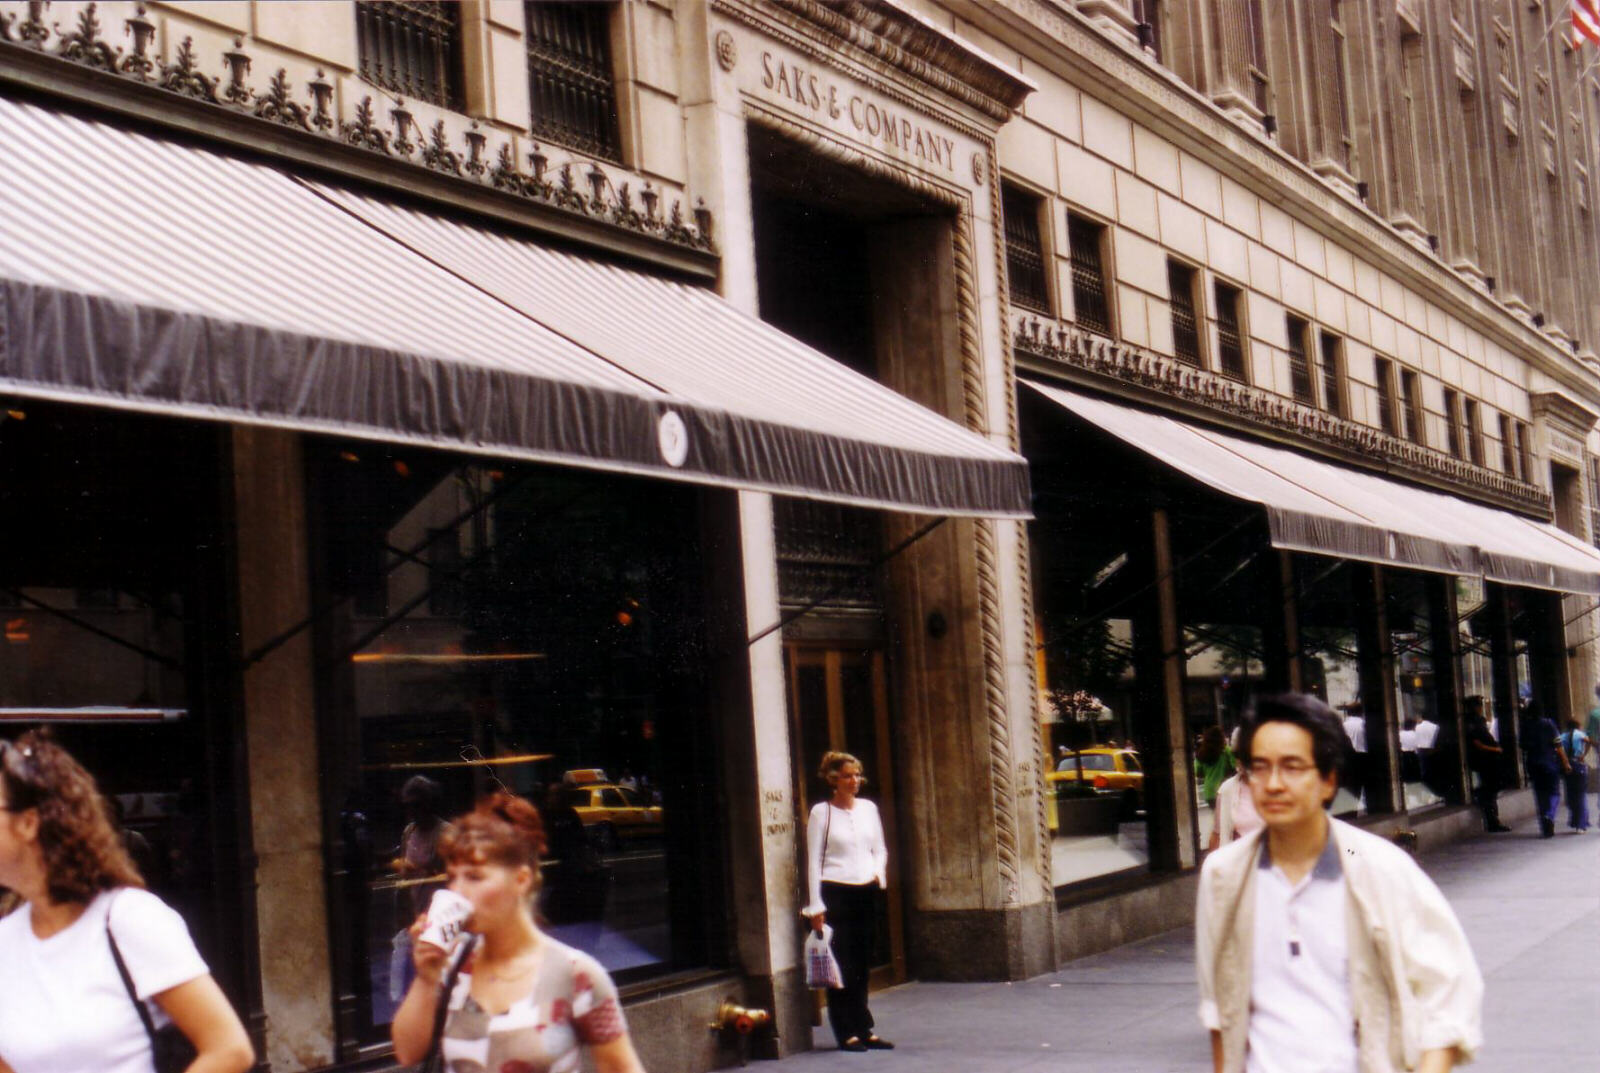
(384, 126)
(1064, 343)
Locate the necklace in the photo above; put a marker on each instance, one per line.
(528, 964)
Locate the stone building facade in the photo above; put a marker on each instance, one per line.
(1130, 241)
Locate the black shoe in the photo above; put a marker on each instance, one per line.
(1547, 829)
(1498, 829)
(878, 1043)
(853, 1044)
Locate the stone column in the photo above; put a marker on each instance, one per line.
(1168, 754)
(1447, 689)
(1234, 92)
(281, 735)
(1281, 628)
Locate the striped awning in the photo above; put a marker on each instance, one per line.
(148, 274)
(1316, 506)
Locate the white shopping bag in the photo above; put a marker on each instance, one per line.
(822, 971)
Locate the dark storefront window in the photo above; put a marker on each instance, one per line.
(1091, 308)
(1330, 657)
(1416, 671)
(555, 649)
(1025, 262)
(572, 89)
(108, 630)
(412, 49)
(1185, 325)
(1230, 338)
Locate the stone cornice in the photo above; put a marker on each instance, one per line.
(1564, 410)
(1148, 93)
(452, 163)
(1064, 350)
(904, 40)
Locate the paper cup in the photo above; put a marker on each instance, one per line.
(446, 914)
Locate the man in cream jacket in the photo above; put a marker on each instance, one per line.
(1321, 948)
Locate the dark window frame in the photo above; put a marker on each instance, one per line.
(1182, 284)
(412, 49)
(1472, 419)
(1091, 297)
(1027, 256)
(1508, 457)
(1594, 499)
(1384, 379)
(1233, 357)
(1302, 387)
(1454, 434)
(1412, 420)
(1524, 435)
(1330, 352)
(572, 76)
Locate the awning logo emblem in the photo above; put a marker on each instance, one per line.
(673, 437)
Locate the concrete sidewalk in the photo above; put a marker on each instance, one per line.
(1531, 908)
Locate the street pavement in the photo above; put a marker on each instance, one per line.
(1531, 908)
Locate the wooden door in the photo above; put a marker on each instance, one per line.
(838, 700)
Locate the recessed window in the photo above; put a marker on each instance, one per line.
(1411, 426)
(1594, 501)
(412, 49)
(1383, 380)
(572, 93)
(1090, 307)
(1230, 339)
(1025, 271)
(1332, 374)
(1452, 423)
(1185, 325)
(1300, 382)
(1524, 451)
(1474, 429)
(1508, 447)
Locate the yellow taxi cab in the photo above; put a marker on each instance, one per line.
(613, 814)
(1108, 771)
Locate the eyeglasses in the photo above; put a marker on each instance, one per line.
(1291, 770)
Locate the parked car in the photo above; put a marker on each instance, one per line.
(1107, 771)
(612, 815)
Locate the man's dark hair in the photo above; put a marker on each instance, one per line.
(1328, 741)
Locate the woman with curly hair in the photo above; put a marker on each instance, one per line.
(65, 1004)
(522, 1001)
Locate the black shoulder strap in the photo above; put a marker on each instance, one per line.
(441, 1011)
(127, 982)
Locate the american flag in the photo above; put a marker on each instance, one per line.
(1586, 21)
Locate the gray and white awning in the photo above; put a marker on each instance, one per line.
(142, 273)
(1316, 506)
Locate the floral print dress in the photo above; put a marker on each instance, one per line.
(573, 1004)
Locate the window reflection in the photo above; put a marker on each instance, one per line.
(1330, 665)
(520, 628)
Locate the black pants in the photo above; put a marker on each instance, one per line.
(1488, 795)
(853, 915)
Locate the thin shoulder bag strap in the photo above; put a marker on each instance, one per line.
(827, 827)
(441, 1010)
(127, 982)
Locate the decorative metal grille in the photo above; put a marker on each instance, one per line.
(1411, 406)
(1332, 386)
(1508, 457)
(1299, 364)
(1185, 326)
(412, 49)
(1230, 346)
(1524, 457)
(571, 85)
(1594, 501)
(1383, 376)
(1088, 277)
(825, 552)
(1024, 250)
(1469, 409)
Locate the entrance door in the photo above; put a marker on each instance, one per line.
(837, 700)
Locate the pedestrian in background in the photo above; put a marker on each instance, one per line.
(1575, 745)
(1546, 763)
(1318, 945)
(847, 863)
(1486, 759)
(1591, 728)
(89, 944)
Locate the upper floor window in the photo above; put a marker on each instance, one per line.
(1300, 382)
(1025, 259)
(1341, 87)
(1594, 500)
(412, 49)
(1090, 307)
(1524, 451)
(1411, 407)
(1147, 15)
(1474, 430)
(1185, 325)
(1452, 423)
(1258, 55)
(572, 91)
(1383, 379)
(1332, 374)
(1230, 337)
(1508, 447)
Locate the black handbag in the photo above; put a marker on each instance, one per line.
(170, 1049)
(434, 1061)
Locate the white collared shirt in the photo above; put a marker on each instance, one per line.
(1301, 1016)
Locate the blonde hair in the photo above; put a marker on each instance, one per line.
(834, 761)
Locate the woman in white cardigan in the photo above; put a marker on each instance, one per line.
(847, 865)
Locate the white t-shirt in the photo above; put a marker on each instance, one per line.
(63, 1008)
